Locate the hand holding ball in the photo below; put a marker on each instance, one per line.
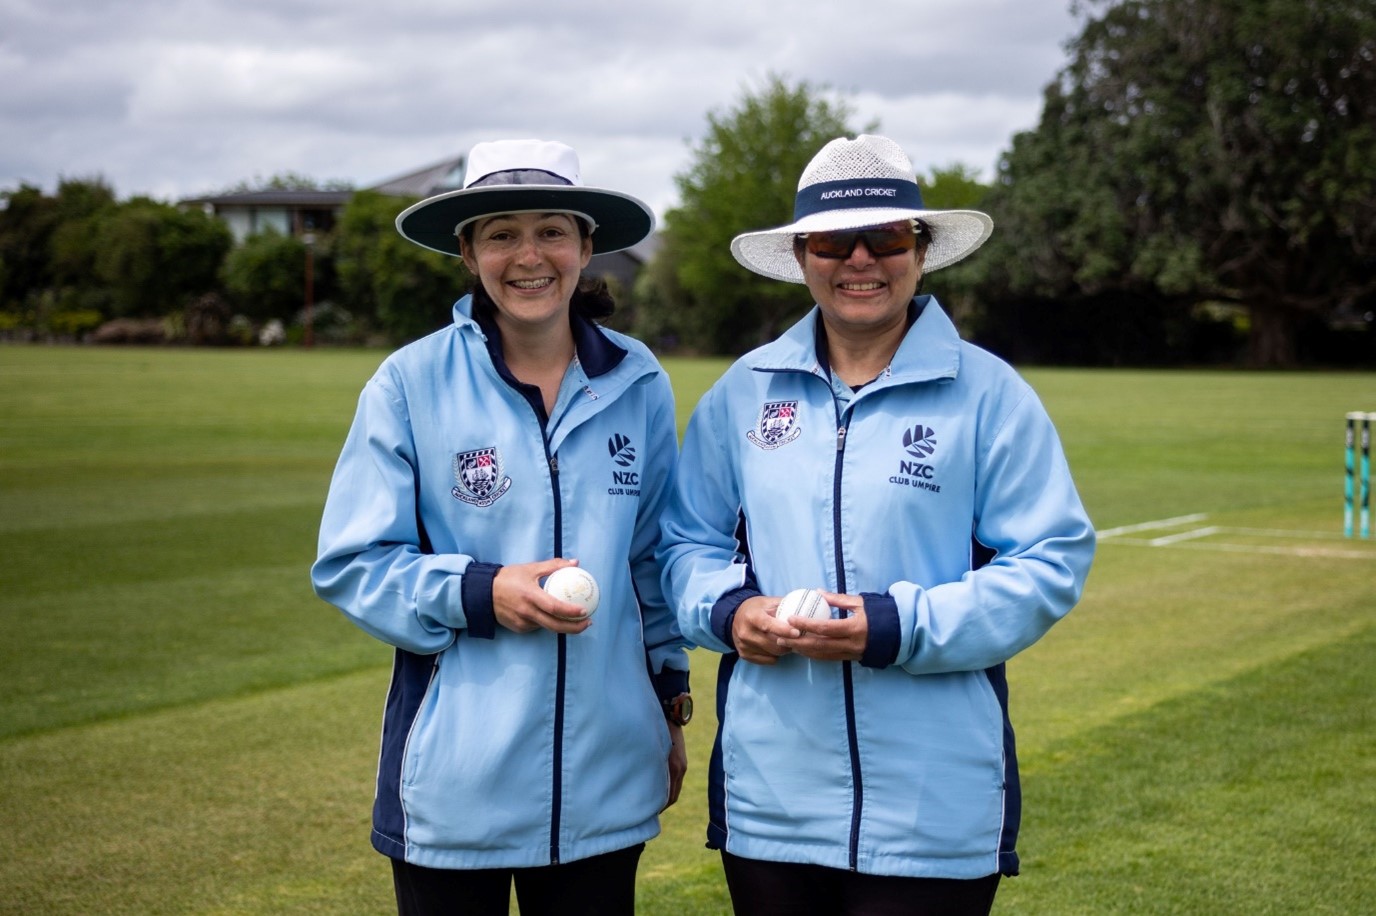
(576, 586)
(803, 602)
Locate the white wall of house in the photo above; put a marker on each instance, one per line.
(247, 221)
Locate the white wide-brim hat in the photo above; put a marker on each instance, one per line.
(853, 184)
(525, 176)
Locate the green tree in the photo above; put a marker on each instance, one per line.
(266, 276)
(1203, 150)
(27, 222)
(155, 258)
(79, 205)
(402, 288)
(287, 181)
(744, 176)
(955, 187)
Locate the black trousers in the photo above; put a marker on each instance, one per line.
(600, 886)
(761, 888)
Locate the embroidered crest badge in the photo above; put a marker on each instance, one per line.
(479, 477)
(777, 426)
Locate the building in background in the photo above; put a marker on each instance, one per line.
(296, 213)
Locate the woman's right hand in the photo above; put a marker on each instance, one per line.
(522, 606)
(757, 633)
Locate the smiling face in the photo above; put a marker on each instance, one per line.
(863, 294)
(529, 263)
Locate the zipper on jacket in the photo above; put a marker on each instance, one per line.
(559, 677)
(848, 684)
(535, 400)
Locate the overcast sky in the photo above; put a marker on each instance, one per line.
(174, 98)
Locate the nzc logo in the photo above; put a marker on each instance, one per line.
(621, 450)
(920, 441)
(623, 453)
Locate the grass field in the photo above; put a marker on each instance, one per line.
(185, 728)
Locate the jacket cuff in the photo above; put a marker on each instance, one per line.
(881, 648)
(724, 612)
(669, 683)
(477, 599)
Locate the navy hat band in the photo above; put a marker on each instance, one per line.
(857, 193)
(519, 176)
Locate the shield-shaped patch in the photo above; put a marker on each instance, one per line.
(479, 477)
(778, 425)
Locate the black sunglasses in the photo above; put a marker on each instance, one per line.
(881, 242)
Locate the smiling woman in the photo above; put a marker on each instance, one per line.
(528, 267)
(482, 460)
(917, 484)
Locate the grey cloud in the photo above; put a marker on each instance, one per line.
(175, 98)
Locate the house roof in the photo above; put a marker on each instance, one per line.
(433, 179)
(274, 198)
(426, 182)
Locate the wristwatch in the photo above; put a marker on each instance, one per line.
(679, 710)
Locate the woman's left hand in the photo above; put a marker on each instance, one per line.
(832, 640)
(678, 762)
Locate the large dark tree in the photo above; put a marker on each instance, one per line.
(743, 176)
(27, 222)
(154, 258)
(391, 283)
(1204, 150)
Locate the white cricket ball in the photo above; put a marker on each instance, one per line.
(803, 602)
(576, 586)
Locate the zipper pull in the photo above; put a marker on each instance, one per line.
(554, 465)
(841, 439)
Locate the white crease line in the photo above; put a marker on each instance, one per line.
(1325, 552)
(1283, 533)
(1149, 526)
(1183, 536)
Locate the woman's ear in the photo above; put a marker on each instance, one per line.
(466, 255)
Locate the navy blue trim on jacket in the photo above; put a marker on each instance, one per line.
(477, 599)
(1012, 784)
(668, 683)
(597, 354)
(724, 611)
(716, 775)
(411, 674)
(881, 645)
(982, 555)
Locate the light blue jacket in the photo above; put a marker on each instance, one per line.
(502, 749)
(939, 492)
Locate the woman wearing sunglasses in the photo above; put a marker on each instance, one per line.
(865, 763)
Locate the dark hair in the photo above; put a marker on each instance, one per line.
(591, 299)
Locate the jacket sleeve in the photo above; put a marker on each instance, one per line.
(370, 562)
(665, 646)
(1028, 514)
(703, 565)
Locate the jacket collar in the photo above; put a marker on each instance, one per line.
(930, 348)
(597, 354)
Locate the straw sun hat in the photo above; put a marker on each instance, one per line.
(525, 176)
(852, 184)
